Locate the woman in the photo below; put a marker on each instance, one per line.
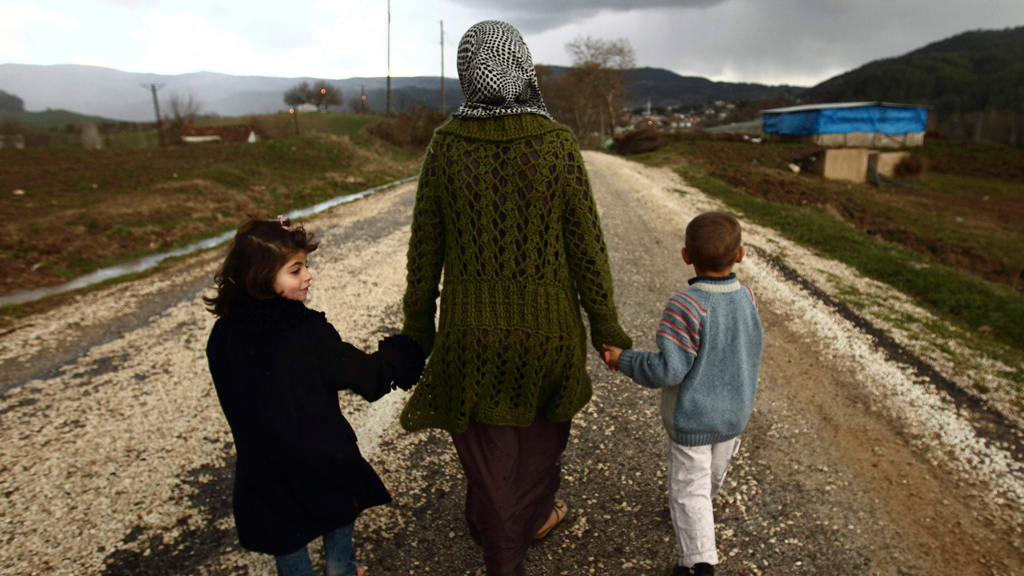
(504, 207)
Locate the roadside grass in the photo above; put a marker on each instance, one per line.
(974, 159)
(965, 300)
(323, 122)
(86, 209)
(50, 118)
(11, 313)
(956, 214)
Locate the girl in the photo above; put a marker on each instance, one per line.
(277, 367)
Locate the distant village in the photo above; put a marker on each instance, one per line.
(675, 118)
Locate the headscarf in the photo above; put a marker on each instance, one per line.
(496, 73)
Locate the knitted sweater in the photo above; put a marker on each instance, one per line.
(710, 342)
(504, 208)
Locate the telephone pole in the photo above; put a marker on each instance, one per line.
(443, 109)
(388, 98)
(156, 107)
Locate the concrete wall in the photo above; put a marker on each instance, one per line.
(849, 164)
(886, 162)
(868, 140)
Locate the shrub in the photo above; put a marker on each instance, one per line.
(640, 141)
(272, 126)
(911, 166)
(412, 129)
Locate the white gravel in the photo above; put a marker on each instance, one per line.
(926, 416)
(102, 445)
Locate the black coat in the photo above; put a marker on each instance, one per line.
(277, 367)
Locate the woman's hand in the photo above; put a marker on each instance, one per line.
(610, 356)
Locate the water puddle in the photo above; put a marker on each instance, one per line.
(147, 262)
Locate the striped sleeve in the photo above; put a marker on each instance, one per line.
(681, 323)
(753, 299)
(678, 339)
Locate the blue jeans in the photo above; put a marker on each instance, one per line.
(339, 556)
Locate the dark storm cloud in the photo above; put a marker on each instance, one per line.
(776, 41)
(532, 16)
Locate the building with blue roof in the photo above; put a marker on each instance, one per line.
(851, 124)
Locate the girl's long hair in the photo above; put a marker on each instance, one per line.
(260, 248)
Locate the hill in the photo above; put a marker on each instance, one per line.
(109, 93)
(49, 119)
(666, 88)
(981, 70)
(97, 91)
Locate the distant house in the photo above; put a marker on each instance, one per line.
(306, 107)
(225, 133)
(851, 124)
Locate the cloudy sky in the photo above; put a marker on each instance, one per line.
(770, 41)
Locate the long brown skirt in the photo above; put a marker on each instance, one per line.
(513, 476)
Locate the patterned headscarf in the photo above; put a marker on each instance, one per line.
(496, 73)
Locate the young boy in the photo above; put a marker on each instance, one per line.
(709, 342)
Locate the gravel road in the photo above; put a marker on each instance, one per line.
(864, 454)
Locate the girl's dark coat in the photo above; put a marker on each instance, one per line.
(278, 367)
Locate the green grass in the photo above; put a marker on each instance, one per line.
(323, 122)
(965, 299)
(50, 118)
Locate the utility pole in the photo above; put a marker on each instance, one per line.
(388, 99)
(362, 98)
(156, 107)
(443, 109)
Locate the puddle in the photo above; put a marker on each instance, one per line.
(147, 262)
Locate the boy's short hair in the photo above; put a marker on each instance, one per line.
(713, 241)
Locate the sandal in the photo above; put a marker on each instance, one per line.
(561, 509)
(481, 571)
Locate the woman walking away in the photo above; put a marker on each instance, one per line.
(278, 367)
(504, 208)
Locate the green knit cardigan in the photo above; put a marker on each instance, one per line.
(504, 208)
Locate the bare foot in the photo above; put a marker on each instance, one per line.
(360, 570)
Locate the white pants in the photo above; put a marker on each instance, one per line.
(695, 474)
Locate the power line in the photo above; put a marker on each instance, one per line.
(388, 99)
(443, 108)
(156, 107)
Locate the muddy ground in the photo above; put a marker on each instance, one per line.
(115, 459)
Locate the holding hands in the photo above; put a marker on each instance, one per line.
(406, 359)
(610, 356)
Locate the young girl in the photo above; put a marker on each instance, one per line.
(278, 367)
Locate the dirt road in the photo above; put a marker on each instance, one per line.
(862, 456)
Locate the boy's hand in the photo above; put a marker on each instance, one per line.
(611, 356)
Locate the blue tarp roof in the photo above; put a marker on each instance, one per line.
(892, 119)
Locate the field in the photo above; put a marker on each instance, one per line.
(85, 209)
(951, 238)
(49, 119)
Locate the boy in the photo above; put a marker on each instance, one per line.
(709, 342)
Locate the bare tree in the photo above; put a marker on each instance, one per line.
(320, 93)
(324, 95)
(299, 94)
(184, 112)
(601, 69)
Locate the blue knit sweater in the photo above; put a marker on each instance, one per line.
(710, 353)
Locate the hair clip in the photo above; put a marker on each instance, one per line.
(283, 220)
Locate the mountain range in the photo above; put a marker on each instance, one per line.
(980, 70)
(122, 95)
